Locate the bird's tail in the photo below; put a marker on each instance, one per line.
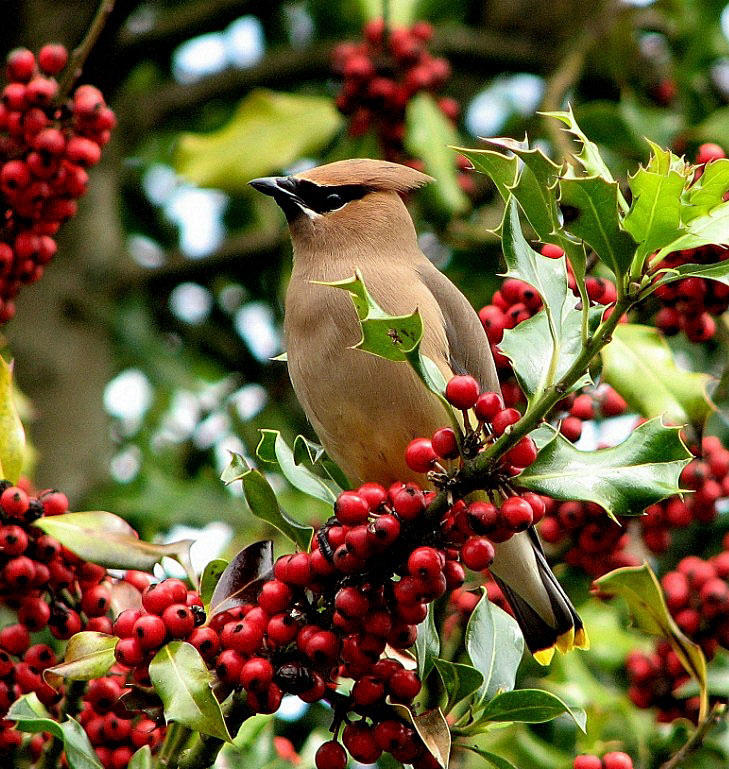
(545, 614)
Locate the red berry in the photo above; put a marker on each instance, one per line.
(360, 742)
(179, 620)
(571, 428)
(156, 598)
(14, 501)
(351, 602)
(275, 596)
(96, 601)
(206, 641)
(351, 509)
(256, 674)
(20, 65)
(124, 623)
(462, 391)
(52, 58)
(444, 443)
(298, 570)
(425, 562)
(504, 419)
(477, 553)
(708, 152)
(374, 494)
(420, 456)
(523, 454)
(323, 647)
(483, 517)
(617, 760)
(129, 652)
(229, 665)
(386, 529)
(517, 513)
(552, 252)
(404, 686)
(330, 755)
(408, 502)
(587, 762)
(150, 630)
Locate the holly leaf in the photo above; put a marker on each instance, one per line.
(529, 706)
(623, 480)
(89, 655)
(427, 645)
(718, 271)
(459, 681)
(708, 190)
(283, 127)
(495, 647)
(428, 136)
(108, 540)
(499, 762)
(641, 590)
(12, 434)
(594, 218)
(711, 228)
(142, 759)
(717, 680)
(184, 684)
(272, 449)
(433, 730)
(211, 575)
(654, 219)
(639, 354)
(306, 450)
(30, 716)
(262, 500)
(241, 580)
(501, 169)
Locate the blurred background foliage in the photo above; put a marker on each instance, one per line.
(146, 351)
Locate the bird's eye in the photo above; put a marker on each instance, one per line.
(334, 200)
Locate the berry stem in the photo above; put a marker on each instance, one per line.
(177, 736)
(470, 476)
(697, 738)
(81, 52)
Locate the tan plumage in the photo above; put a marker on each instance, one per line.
(365, 409)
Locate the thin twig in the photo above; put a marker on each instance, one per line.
(697, 738)
(81, 52)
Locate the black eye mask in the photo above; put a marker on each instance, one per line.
(326, 198)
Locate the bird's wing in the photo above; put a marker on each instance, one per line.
(468, 346)
(545, 613)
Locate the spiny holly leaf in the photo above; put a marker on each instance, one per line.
(536, 186)
(30, 716)
(12, 434)
(263, 503)
(306, 450)
(211, 575)
(427, 645)
(711, 228)
(623, 480)
(641, 590)
(428, 135)
(530, 706)
(184, 684)
(142, 759)
(108, 540)
(272, 448)
(88, 655)
(242, 578)
(459, 681)
(499, 762)
(594, 218)
(640, 354)
(654, 219)
(718, 271)
(708, 190)
(502, 169)
(495, 647)
(282, 127)
(395, 338)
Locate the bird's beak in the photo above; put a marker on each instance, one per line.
(283, 190)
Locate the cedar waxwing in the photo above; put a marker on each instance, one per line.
(346, 216)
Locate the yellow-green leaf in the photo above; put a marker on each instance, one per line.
(12, 434)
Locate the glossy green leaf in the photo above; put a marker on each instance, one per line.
(142, 759)
(640, 354)
(273, 449)
(427, 645)
(709, 189)
(108, 540)
(641, 590)
(530, 706)
(429, 134)
(263, 503)
(495, 647)
(654, 219)
(459, 681)
(711, 228)
(88, 655)
(624, 479)
(268, 131)
(12, 434)
(596, 220)
(536, 186)
(499, 762)
(184, 684)
(502, 169)
(211, 575)
(30, 716)
(306, 450)
(718, 271)
(241, 581)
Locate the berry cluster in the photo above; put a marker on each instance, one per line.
(381, 74)
(115, 732)
(588, 538)
(708, 477)
(588, 404)
(615, 760)
(690, 305)
(47, 143)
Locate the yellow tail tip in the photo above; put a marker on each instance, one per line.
(544, 656)
(582, 640)
(566, 641)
